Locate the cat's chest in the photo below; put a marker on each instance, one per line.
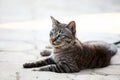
(64, 57)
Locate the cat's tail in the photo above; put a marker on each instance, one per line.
(116, 43)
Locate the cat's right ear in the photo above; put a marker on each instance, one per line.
(54, 21)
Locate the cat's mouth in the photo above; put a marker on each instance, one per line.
(57, 44)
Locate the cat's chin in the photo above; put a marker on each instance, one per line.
(58, 45)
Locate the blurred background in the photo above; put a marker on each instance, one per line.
(90, 15)
(26, 10)
(29, 20)
(25, 27)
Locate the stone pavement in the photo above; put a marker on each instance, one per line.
(20, 46)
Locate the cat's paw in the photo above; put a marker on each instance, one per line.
(45, 53)
(41, 69)
(27, 65)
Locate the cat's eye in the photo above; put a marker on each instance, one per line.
(63, 36)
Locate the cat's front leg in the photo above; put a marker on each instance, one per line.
(59, 68)
(39, 63)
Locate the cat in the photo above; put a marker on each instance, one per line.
(71, 55)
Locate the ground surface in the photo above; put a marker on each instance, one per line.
(20, 46)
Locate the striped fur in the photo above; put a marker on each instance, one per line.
(70, 55)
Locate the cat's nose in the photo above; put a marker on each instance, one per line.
(53, 39)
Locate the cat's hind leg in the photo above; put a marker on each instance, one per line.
(39, 63)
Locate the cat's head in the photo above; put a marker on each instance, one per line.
(62, 34)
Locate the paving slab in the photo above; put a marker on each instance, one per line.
(8, 45)
(96, 77)
(110, 70)
(20, 46)
(16, 35)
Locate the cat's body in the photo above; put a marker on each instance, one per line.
(70, 55)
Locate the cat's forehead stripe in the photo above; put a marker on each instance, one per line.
(68, 31)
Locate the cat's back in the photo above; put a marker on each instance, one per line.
(101, 46)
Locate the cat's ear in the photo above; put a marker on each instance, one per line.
(54, 21)
(72, 27)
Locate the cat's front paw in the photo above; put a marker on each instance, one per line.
(27, 65)
(45, 53)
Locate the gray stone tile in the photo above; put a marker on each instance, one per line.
(30, 75)
(7, 45)
(11, 68)
(7, 76)
(13, 34)
(16, 57)
(11, 63)
(41, 45)
(96, 77)
(110, 70)
(42, 34)
(20, 46)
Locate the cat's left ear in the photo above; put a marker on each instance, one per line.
(72, 27)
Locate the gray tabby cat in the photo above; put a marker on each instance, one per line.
(71, 55)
